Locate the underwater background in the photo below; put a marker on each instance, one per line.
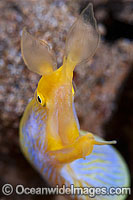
(104, 86)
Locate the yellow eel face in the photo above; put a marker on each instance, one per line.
(50, 136)
(55, 93)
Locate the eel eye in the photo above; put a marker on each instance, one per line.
(41, 99)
